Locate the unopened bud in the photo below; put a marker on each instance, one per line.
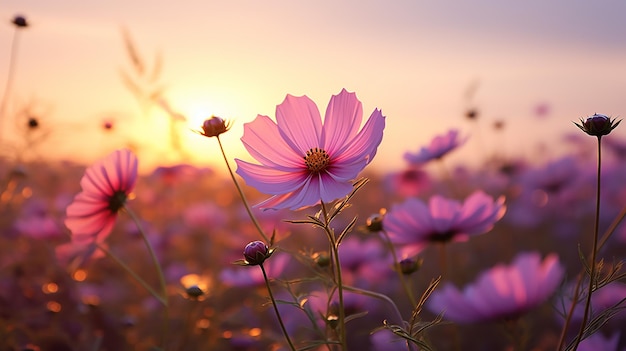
(255, 253)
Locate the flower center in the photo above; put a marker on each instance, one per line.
(316, 160)
(117, 201)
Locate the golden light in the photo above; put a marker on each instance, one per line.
(254, 332)
(203, 323)
(80, 275)
(53, 306)
(50, 288)
(27, 192)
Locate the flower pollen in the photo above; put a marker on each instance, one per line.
(316, 160)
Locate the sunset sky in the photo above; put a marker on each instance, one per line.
(422, 62)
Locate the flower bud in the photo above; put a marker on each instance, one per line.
(597, 125)
(194, 292)
(322, 259)
(214, 126)
(410, 265)
(374, 223)
(256, 252)
(20, 21)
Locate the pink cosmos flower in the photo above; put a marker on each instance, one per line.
(303, 160)
(106, 186)
(439, 146)
(414, 224)
(501, 292)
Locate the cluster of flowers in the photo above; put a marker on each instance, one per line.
(390, 283)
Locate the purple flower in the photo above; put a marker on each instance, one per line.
(501, 292)
(439, 146)
(414, 224)
(303, 161)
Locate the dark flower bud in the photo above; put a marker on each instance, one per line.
(33, 122)
(322, 259)
(194, 292)
(214, 126)
(332, 317)
(256, 252)
(374, 223)
(20, 21)
(410, 265)
(597, 125)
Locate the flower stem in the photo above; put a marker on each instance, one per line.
(157, 266)
(396, 264)
(377, 296)
(334, 245)
(131, 272)
(594, 252)
(241, 194)
(10, 75)
(280, 320)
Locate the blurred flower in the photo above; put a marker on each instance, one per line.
(597, 125)
(502, 292)
(303, 161)
(413, 224)
(106, 186)
(20, 21)
(409, 182)
(438, 147)
(214, 126)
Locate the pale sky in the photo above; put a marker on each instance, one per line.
(413, 59)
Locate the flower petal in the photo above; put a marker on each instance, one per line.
(299, 123)
(264, 142)
(365, 143)
(342, 120)
(270, 180)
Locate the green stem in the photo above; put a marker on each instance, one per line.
(377, 296)
(157, 266)
(280, 320)
(396, 263)
(337, 268)
(241, 194)
(131, 273)
(594, 252)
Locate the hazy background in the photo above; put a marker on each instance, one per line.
(422, 62)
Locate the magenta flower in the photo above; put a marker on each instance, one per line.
(106, 186)
(439, 147)
(414, 224)
(303, 161)
(502, 292)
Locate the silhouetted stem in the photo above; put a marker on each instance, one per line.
(241, 194)
(10, 75)
(594, 252)
(280, 320)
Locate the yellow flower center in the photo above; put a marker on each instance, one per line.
(316, 160)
